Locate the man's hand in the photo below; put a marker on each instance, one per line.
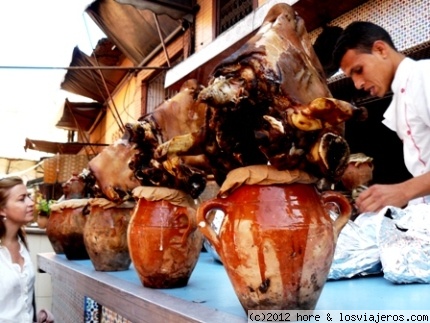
(378, 196)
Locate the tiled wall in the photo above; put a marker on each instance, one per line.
(68, 305)
(407, 21)
(204, 23)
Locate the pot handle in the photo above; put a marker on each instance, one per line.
(344, 207)
(203, 223)
(192, 226)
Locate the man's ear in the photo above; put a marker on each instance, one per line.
(380, 47)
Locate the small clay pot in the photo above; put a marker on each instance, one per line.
(357, 173)
(42, 220)
(105, 234)
(65, 228)
(164, 243)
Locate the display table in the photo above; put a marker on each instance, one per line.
(209, 296)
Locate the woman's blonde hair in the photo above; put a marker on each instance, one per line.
(6, 184)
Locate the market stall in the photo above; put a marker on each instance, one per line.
(276, 149)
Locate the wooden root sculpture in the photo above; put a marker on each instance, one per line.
(269, 103)
(129, 162)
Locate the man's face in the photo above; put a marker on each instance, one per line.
(371, 72)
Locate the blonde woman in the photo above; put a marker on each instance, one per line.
(17, 273)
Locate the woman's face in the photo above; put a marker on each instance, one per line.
(19, 206)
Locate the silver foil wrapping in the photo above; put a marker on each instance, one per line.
(357, 250)
(395, 241)
(404, 244)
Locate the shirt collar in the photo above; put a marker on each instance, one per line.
(402, 72)
(21, 244)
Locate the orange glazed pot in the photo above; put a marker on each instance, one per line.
(356, 175)
(164, 243)
(276, 243)
(105, 234)
(65, 228)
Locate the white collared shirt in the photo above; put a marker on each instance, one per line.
(409, 114)
(17, 287)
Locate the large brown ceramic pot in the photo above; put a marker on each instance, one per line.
(276, 242)
(65, 228)
(54, 235)
(164, 243)
(105, 234)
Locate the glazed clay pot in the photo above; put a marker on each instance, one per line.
(105, 234)
(66, 227)
(358, 172)
(53, 235)
(276, 243)
(164, 243)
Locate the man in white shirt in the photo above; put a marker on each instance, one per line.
(366, 53)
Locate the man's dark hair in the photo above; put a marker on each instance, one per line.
(360, 35)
